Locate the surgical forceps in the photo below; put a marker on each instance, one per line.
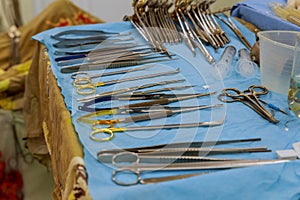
(137, 169)
(112, 65)
(248, 97)
(91, 88)
(196, 144)
(168, 155)
(111, 130)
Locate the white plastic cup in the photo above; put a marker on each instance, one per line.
(276, 59)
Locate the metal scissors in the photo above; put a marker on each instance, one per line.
(108, 133)
(138, 168)
(248, 97)
(90, 88)
(91, 99)
(83, 77)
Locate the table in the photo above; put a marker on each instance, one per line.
(66, 138)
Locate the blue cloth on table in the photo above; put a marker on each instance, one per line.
(260, 14)
(241, 122)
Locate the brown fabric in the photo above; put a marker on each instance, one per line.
(59, 13)
(12, 77)
(44, 108)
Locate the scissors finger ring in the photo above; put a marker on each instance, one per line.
(104, 131)
(258, 90)
(129, 158)
(135, 181)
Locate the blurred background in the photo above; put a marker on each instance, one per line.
(107, 10)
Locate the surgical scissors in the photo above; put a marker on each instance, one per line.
(91, 100)
(248, 97)
(89, 88)
(137, 169)
(83, 77)
(111, 130)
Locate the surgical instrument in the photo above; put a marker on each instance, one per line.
(110, 65)
(83, 77)
(80, 42)
(166, 178)
(235, 29)
(245, 66)
(108, 50)
(249, 98)
(111, 130)
(91, 100)
(112, 56)
(87, 49)
(193, 37)
(173, 154)
(222, 68)
(71, 34)
(192, 144)
(162, 101)
(205, 165)
(91, 88)
(272, 106)
(149, 114)
(85, 106)
(135, 110)
(166, 154)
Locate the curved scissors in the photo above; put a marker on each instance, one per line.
(248, 97)
(85, 86)
(108, 133)
(137, 169)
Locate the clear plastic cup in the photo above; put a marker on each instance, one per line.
(276, 59)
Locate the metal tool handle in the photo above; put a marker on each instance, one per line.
(148, 103)
(148, 116)
(257, 90)
(102, 135)
(229, 95)
(117, 180)
(138, 118)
